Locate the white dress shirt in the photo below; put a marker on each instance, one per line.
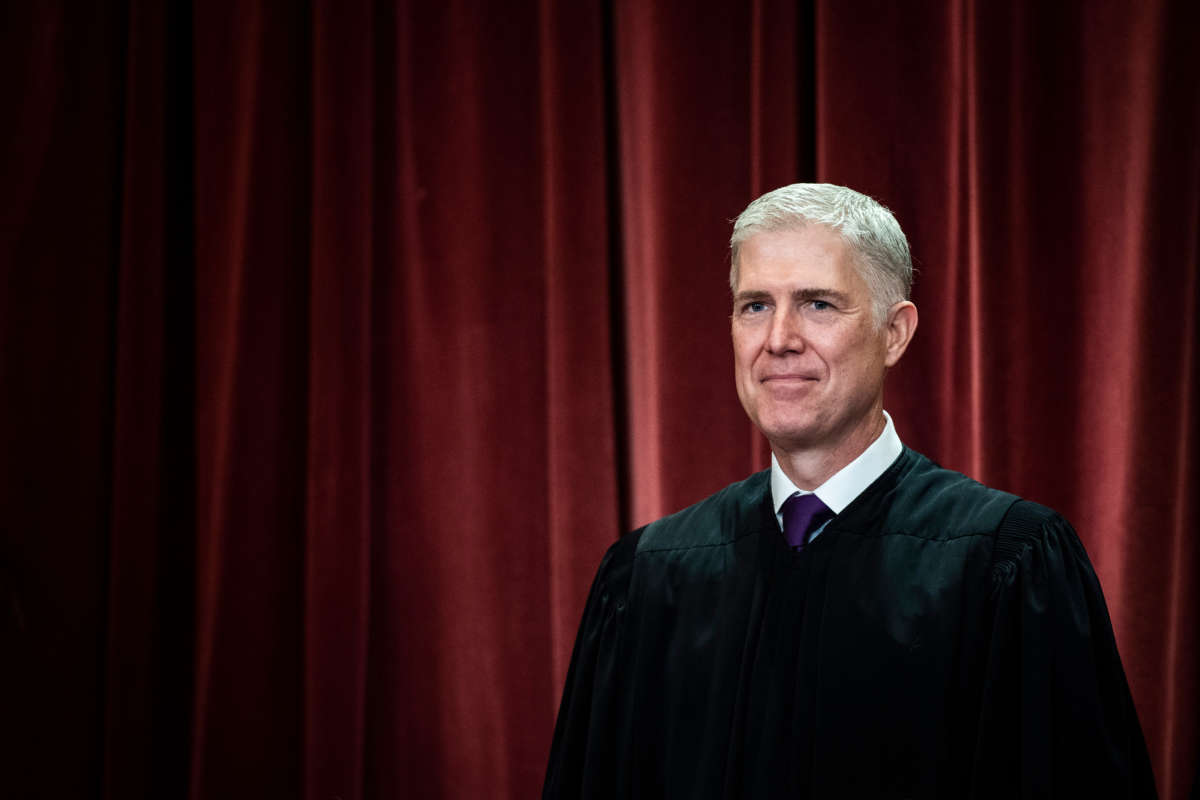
(848, 482)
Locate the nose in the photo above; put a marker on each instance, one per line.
(786, 334)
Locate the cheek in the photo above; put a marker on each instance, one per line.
(743, 367)
(850, 355)
(745, 350)
(868, 359)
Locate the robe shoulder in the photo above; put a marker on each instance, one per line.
(735, 511)
(916, 497)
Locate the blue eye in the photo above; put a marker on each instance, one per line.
(755, 307)
(821, 305)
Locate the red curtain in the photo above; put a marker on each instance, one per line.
(338, 341)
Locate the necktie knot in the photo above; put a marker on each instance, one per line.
(802, 514)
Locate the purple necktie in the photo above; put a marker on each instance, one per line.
(802, 514)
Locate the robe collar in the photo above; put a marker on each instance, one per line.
(847, 483)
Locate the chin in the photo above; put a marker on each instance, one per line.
(790, 432)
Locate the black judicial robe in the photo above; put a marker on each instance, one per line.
(938, 639)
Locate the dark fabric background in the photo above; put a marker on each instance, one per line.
(338, 340)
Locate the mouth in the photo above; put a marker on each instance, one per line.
(789, 377)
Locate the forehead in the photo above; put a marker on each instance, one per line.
(809, 257)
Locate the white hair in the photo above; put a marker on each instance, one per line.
(868, 228)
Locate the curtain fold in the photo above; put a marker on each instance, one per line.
(147, 658)
(499, 472)
(253, 254)
(579, 308)
(339, 341)
(340, 486)
(685, 159)
(62, 73)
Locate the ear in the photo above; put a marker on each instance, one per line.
(900, 326)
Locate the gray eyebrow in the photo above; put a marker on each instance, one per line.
(742, 297)
(815, 294)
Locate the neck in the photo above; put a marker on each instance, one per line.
(809, 467)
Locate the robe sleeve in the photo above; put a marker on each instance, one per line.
(593, 719)
(1056, 715)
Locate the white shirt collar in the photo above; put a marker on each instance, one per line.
(848, 482)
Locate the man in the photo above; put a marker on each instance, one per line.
(855, 621)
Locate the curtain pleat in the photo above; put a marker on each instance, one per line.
(340, 340)
(253, 173)
(340, 487)
(62, 80)
(582, 504)
(684, 161)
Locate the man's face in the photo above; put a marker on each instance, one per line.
(809, 356)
